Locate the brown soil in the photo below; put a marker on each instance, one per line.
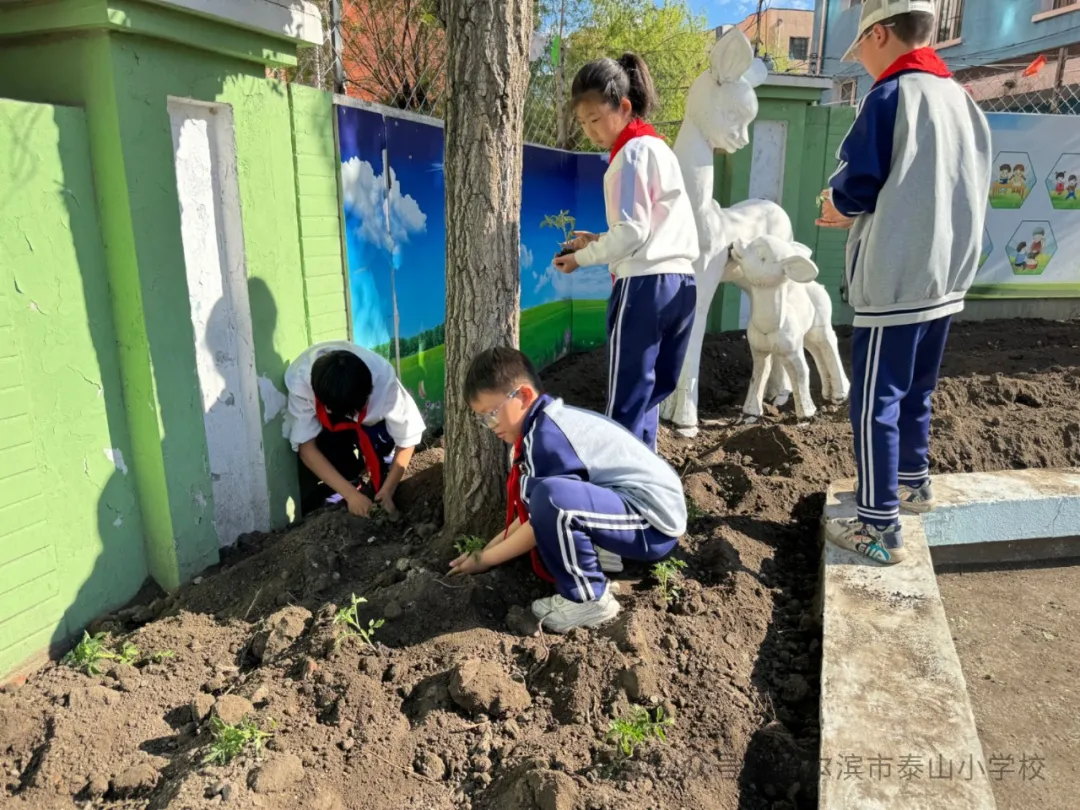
(459, 704)
(1022, 669)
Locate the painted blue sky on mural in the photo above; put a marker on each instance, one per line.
(409, 256)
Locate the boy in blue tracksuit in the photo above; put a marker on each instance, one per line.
(911, 186)
(581, 483)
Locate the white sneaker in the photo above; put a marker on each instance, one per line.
(609, 563)
(559, 615)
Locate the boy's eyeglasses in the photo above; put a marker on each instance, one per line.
(491, 418)
(866, 34)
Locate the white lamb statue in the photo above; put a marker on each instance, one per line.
(720, 107)
(789, 311)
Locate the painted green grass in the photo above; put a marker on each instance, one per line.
(1043, 260)
(545, 332)
(543, 338)
(590, 324)
(1008, 200)
(1061, 204)
(983, 258)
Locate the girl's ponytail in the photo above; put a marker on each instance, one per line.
(612, 80)
(642, 94)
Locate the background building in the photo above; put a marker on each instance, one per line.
(1013, 55)
(782, 34)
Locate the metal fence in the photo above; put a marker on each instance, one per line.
(393, 53)
(1048, 83)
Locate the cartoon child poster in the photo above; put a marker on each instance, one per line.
(1013, 180)
(1031, 248)
(1061, 183)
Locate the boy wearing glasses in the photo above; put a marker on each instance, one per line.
(911, 187)
(343, 399)
(581, 484)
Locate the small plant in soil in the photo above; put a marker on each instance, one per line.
(231, 741)
(564, 223)
(469, 544)
(128, 655)
(161, 656)
(89, 654)
(693, 511)
(668, 575)
(350, 624)
(629, 733)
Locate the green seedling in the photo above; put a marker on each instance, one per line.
(562, 222)
(231, 741)
(128, 655)
(89, 653)
(469, 544)
(668, 575)
(161, 655)
(630, 733)
(693, 511)
(349, 620)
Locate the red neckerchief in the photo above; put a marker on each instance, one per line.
(635, 129)
(516, 509)
(924, 60)
(367, 449)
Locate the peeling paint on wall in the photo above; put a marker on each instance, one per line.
(114, 455)
(273, 401)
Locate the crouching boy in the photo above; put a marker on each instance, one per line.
(580, 484)
(344, 399)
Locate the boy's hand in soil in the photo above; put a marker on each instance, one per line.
(567, 263)
(581, 239)
(385, 499)
(359, 504)
(469, 564)
(830, 217)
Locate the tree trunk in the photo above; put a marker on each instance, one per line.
(487, 75)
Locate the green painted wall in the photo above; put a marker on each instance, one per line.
(124, 83)
(813, 136)
(71, 537)
(319, 210)
(147, 69)
(78, 70)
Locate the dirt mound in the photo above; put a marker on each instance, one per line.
(459, 701)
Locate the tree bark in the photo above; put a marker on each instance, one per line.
(487, 74)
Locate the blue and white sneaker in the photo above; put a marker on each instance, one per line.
(918, 499)
(881, 545)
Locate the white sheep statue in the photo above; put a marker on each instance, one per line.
(789, 311)
(720, 107)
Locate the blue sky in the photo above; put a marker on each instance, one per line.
(722, 12)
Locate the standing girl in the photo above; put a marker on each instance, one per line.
(650, 245)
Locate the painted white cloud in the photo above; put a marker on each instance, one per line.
(587, 282)
(366, 195)
(592, 282)
(526, 257)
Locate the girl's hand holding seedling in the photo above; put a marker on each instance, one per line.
(582, 239)
(567, 263)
